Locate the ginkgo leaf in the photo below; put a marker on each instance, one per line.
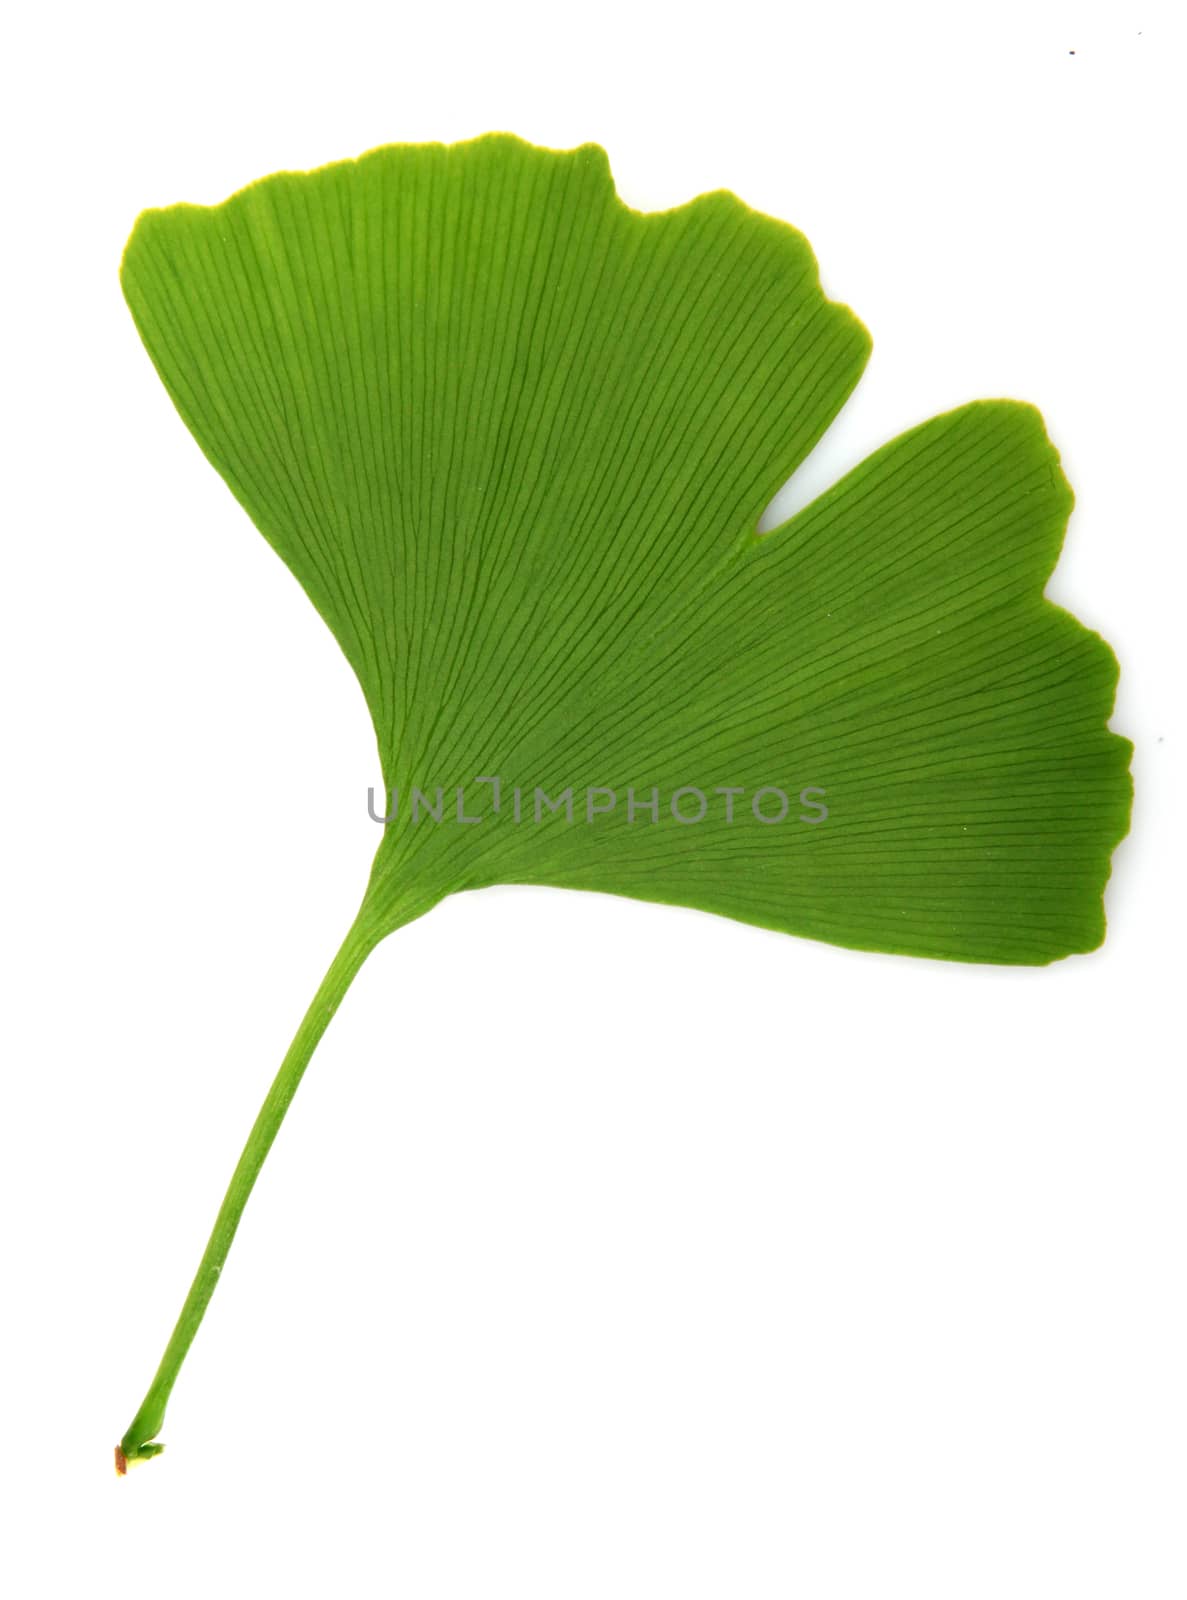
(514, 440)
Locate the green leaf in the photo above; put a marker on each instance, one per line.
(514, 440)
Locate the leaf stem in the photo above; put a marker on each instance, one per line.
(138, 1443)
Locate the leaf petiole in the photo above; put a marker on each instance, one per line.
(139, 1442)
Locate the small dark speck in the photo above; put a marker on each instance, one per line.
(1071, 52)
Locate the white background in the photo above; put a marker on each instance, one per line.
(609, 1250)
